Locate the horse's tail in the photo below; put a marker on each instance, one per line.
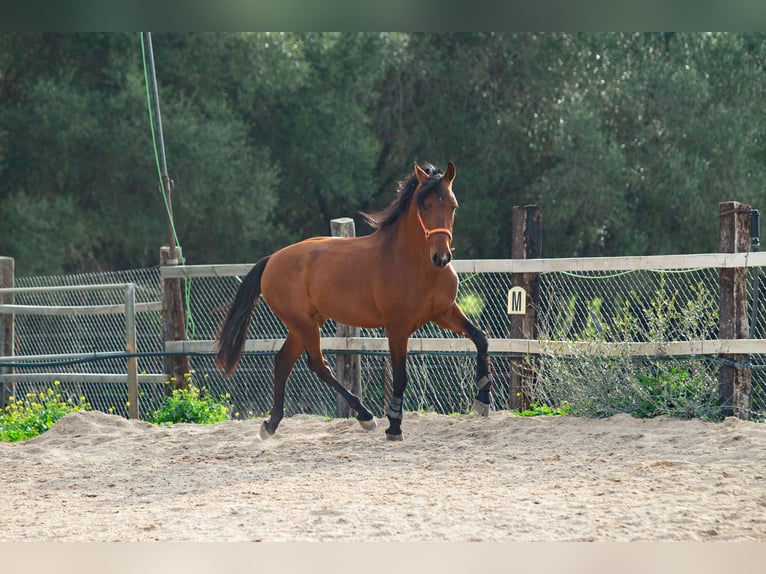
(233, 330)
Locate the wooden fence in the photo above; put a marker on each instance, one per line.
(734, 343)
(728, 347)
(8, 310)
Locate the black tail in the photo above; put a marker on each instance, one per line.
(233, 331)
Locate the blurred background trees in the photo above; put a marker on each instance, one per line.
(628, 141)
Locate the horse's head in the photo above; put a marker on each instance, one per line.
(436, 206)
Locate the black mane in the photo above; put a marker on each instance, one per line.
(405, 191)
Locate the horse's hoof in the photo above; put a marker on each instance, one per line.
(394, 437)
(481, 408)
(369, 425)
(265, 431)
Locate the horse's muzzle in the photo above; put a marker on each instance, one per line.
(441, 260)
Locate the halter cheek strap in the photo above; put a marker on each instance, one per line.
(430, 232)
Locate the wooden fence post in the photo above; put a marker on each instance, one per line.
(7, 327)
(526, 243)
(347, 366)
(173, 325)
(734, 380)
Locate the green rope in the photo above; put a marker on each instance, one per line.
(154, 143)
(190, 325)
(594, 277)
(629, 271)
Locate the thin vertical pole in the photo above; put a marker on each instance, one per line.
(755, 246)
(180, 363)
(130, 348)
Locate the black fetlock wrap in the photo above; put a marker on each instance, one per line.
(483, 388)
(394, 410)
(394, 414)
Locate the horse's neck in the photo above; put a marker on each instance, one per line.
(410, 242)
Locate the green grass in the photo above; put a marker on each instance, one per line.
(538, 410)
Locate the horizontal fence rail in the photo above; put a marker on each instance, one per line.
(637, 263)
(516, 347)
(92, 378)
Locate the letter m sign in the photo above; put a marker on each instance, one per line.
(517, 301)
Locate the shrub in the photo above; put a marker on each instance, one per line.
(675, 392)
(605, 380)
(191, 405)
(36, 413)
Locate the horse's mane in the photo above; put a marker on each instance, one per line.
(405, 191)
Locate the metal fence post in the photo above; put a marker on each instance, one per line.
(526, 243)
(130, 348)
(734, 377)
(347, 366)
(7, 327)
(755, 247)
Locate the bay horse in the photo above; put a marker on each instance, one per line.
(398, 278)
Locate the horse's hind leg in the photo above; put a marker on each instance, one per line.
(323, 371)
(283, 365)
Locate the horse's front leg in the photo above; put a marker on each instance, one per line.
(456, 321)
(397, 345)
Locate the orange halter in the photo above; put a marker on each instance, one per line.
(430, 232)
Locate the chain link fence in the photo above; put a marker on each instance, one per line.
(640, 306)
(589, 306)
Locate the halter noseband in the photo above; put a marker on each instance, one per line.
(430, 232)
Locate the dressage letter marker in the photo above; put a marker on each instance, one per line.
(517, 301)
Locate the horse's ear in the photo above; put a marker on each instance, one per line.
(421, 175)
(449, 175)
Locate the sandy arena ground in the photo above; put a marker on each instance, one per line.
(98, 477)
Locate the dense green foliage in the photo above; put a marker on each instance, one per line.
(603, 381)
(628, 141)
(191, 405)
(32, 415)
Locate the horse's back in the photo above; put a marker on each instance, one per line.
(323, 278)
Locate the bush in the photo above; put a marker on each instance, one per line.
(36, 413)
(604, 380)
(191, 405)
(675, 392)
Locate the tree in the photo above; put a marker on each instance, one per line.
(627, 140)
